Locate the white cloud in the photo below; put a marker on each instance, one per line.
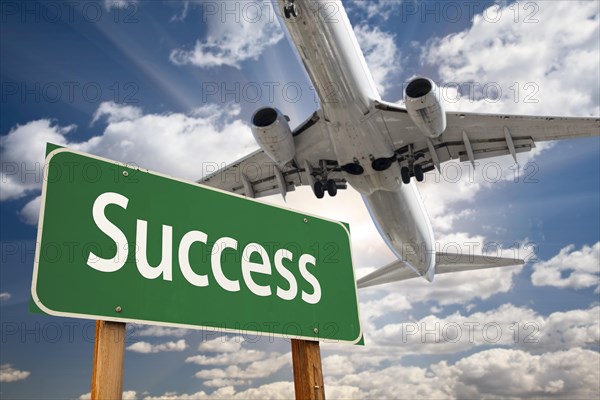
(459, 182)
(4, 296)
(224, 382)
(223, 344)
(573, 374)
(381, 54)
(257, 369)
(391, 302)
(337, 365)
(176, 144)
(119, 4)
(127, 395)
(507, 325)
(158, 331)
(562, 69)
(460, 287)
(31, 212)
(9, 374)
(494, 373)
(145, 347)
(22, 155)
(570, 268)
(242, 356)
(116, 112)
(233, 39)
(563, 330)
(270, 391)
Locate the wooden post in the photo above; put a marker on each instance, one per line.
(109, 349)
(308, 373)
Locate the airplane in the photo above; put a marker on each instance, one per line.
(377, 147)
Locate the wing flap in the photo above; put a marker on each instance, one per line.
(489, 148)
(488, 135)
(487, 126)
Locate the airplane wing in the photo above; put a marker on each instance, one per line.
(444, 263)
(256, 175)
(468, 137)
(472, 136)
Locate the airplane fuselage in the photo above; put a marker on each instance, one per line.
(329, 50)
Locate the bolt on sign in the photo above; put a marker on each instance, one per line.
(123, 244)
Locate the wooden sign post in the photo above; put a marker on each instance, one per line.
(308, 372)
(109, 349)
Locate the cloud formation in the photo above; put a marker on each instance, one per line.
(223, 344)
(562, 69)
(9, 374)
(146, 348)
(381, 54)
(158, 331)
(255, 370)
(119, 4)
(570, 268)
(243, 32)
(175, 144)
(492, 374)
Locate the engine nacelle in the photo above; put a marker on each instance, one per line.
(273, 134)
(423, 103)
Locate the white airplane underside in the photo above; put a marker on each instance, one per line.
(376, 147)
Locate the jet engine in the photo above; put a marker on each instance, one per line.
(423, 103)
(273, 134)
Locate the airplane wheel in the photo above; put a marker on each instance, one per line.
(293, 10)
(286, 12)
(319, 190)
(419, 173)
(331, 188)
(405, 173)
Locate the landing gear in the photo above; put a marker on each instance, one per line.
(405, 173)
(408, 158)
(418, 171)
(290, 10)
(319, 190)
(331, 188)
(319, 178)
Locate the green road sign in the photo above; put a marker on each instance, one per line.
(123, 244)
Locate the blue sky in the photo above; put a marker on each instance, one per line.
(171, 85)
